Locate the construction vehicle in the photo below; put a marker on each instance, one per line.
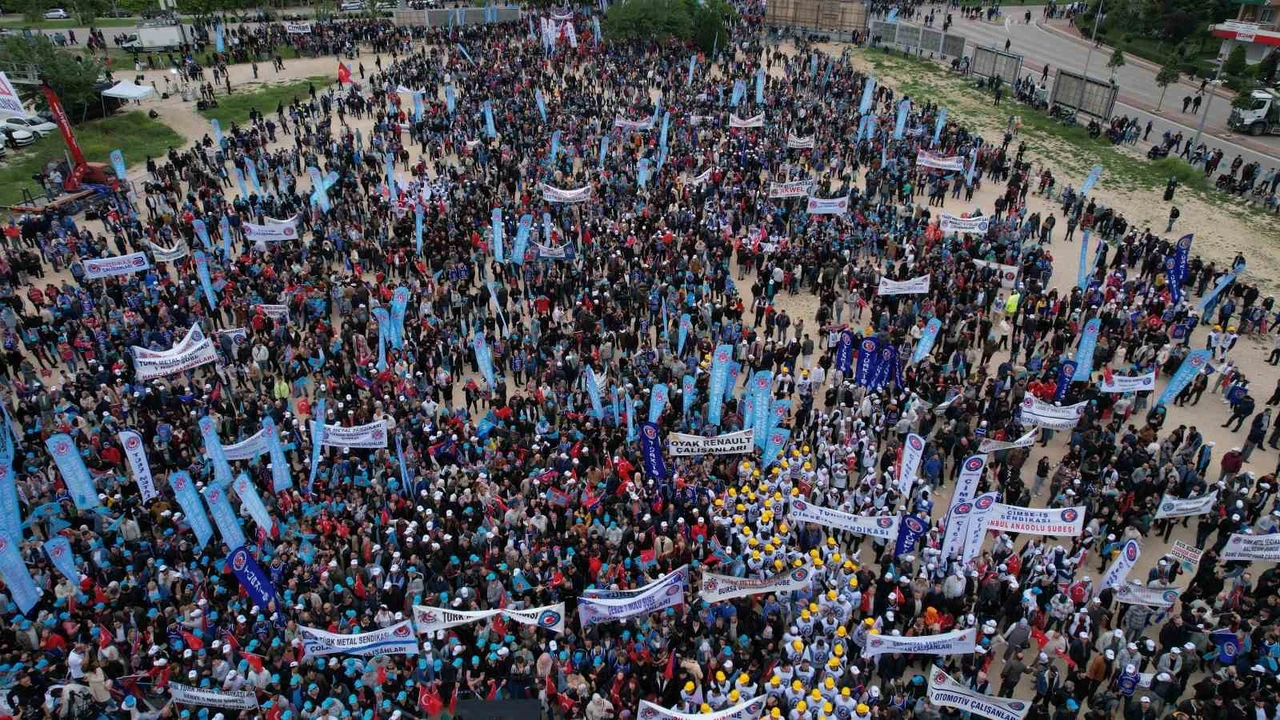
(1262, 117)
(82, 171)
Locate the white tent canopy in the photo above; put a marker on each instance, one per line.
(126, 90)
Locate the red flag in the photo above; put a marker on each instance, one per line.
(192, 641)
(359, 587)
(493, 690)
(453, 701)
(344, 74)
(1038, 635)
(429, 701)
(255, 661)
(104, 637)
(670, 672)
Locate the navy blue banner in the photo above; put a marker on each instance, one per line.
(1066, 371)
(868, 361)
(910, 530)
(844, 352)
(651, 448)
(252, 577)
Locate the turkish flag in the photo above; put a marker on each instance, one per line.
(192, 641)
(429, 701)
(453, 701)
(344, 74)
(1041, 639)
(104, 637)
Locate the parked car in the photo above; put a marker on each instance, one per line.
(352, 6)
(37, 126)
(57, 14)
(17, 138)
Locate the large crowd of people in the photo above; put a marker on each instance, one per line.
(535, 291)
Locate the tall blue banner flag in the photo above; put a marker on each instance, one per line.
(255, 581)
(184, 489)
(74, 472)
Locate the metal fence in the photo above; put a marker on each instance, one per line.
(842, 19)
(1090, 96)
(917, 39)
(989, 62)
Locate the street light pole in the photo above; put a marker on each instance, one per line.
(1207, 105)
(1089, 57)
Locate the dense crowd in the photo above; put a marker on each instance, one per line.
(580, 236)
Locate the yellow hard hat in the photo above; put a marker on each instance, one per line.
(835, 558)
(827, 707)
(829, 683)
(782, 527)
(805, 448)
(853, 583)
(777, 564)
(831, 540)
(875, 631)
(775, 681)
(833, 662)
(719, 502)
(801, 706)
(705, 708)
(768, 547)
(688, 687)
(719, 676)
(743, 679)
(815, 694)
(796, 685)
(838, 651)
(863, 709)
(846, 692)
(804, 615)
(869, 622)
(841, 631)
(755, 554)
(807, 466)
(755, 473)
(797, 646)
(775, 713)
(734, 695)
(753, 542)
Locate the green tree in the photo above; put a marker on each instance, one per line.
(1267, 68)
(1243, 99)
(1235, 65)
(1116, 62)
(32, 10)
(74, 79)
(1167, 76)
(704, 23)
(86, 11)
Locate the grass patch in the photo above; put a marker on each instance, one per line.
(134, 134)
(235, 108)
(71, 23)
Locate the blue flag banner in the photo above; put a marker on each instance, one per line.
(910, 530)
(749, 414)
(886, 367)
(542, 104)
(523, 229)
(631, 418)
(484, 359)
(1082, 275)
(1066, 371)
(555, 147)
(206, 282)
(384, 324)
(735, 369)
(1084, 353)
(689, 390)
(1193, 364)
(217, 131)
(688, 78)
(255, 581)
(251, 501)
(739, 90)
(666, 126)
(192, 509)
(281, 479)
(58, 549)
(405, 479)
(658, 401)
(1228, 644)
(778, 413)
(651, 448)
(223, 516)
(489, 129)
(399, 303)
(10, 509)
(900, 125)
(1095, 175)
(938, 124)
(213, 448)
(219, 44)
(74, 473)
(844, 352)
(760, 86)
(604, 149)
(253, 177)
(892, 17)
(224, 229)
(389, 169)
(450, 98)
(927, 339)
(117, 163)
(761, 402)
(495, 220)
(774, 443)
(1221, 285)
(868, 94)
(593, 392)
(1181, 261)
(682, 334)
(317, 442)
(417, 228)
(868, 361)
(595, 29)
(239, 176)
(643, 170)
(417, 106)
(720, 360)
(16, 578)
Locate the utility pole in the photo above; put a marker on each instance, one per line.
(1209, 103)
(1088, 57)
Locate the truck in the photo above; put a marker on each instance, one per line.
(1262, 117)
(155, 37)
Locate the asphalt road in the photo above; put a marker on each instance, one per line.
(1139, 93)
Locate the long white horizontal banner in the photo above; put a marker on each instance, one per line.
(989, 445)
(929, 160)
(1150, 597)
(193, 357)
(726, 587)
(229, 699)
(734, 443)
(1242, 546)
(1008, 273)
(294, 28)
(247, 449)
(370, 435)
(397, 639)
(1182, 507)
(884, 527)
(660, 594)
(1055, 417)
(163, 254)
(749, 710)
(106, 267)
(949, 223)
(646, 124)
(793, 189)
(269, 233)
(432, 619)
(828, 206)
(194, 335)
(945, 692)
(914, 286)
(1128, 383)
(1035, 521)
(556, 195)
(799, 143)
(956, 642)
(751, 122)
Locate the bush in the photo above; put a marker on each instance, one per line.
(668, 20)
